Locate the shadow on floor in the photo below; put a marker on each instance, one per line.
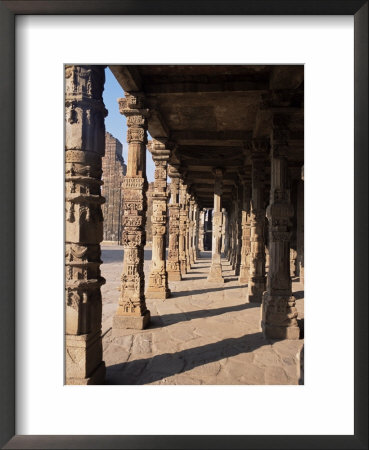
(169, 319)
(203, 291)
(193, 278)
(153, 369)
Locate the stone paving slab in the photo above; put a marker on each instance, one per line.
(204, 334)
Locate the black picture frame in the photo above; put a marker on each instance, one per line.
(8, 12)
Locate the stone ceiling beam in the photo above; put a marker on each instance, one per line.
(128, 77)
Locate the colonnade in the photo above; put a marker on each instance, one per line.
(238, 231)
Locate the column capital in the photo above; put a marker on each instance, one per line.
(159, 150)
(133, 104)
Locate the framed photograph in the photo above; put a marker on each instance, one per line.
(177, 179)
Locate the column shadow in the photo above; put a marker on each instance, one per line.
(202, 291)
(173, 318)
(154, 369)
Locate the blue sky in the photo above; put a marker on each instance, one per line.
(115, 123)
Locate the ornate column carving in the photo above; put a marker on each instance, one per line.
(193, 230)
(188, 232)
(132, 311)
(182, 227)
(238, 229)
(201, 232)
(158, 278)
(173, 263)
(84, 146)
(300, 227)
(279, 314)
(215, 273)
(257, 257)
(196, 233)
(246, 232)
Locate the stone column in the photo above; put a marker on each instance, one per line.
(226, 233)
(84, 147)
(257, 257)
(192, 231)
(238, 229)
(158, 278)
(173, 264)
(223, 231)
(279, 314)
(215, 273)
(300, 227)
(132, 311)
(188, 232)
(182, 227)
(246, 233)
(201, 232)
(195, 231)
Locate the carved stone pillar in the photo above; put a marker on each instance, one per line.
(196, 233)
(234, 229)
(300, 227)
(173, 263)
(182, 227)
(223, 231)
(188, 232)
(132, 311)
(238, 229)
(192, 231)
(226, 233)
(215, 273)
(246, 233)
(257, 257)
(158, 278)
(84, 146)
(279, 314)
(201, 232)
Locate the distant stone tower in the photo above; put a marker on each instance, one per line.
(114, 170)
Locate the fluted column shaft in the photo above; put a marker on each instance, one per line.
(279, 314)
(132, 311)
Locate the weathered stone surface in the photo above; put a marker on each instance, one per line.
(84, 148)
(217, 342)
(114, 170)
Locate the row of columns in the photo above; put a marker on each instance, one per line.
(242, 227)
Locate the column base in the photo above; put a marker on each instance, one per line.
(244, 276)
(130, 322)
(157, 293)
(97, 377)
(278, 332)
(215, 274)
(174, 276)
(256, 290)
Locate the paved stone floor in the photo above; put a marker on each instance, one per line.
(203, 334)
